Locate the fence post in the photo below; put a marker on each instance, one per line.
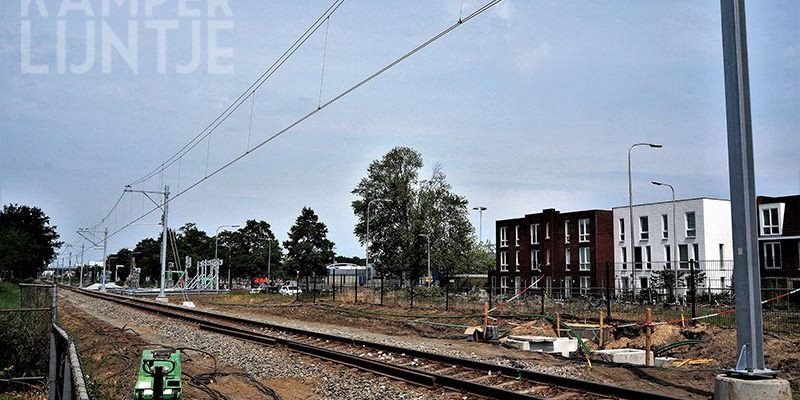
(648, 337)
(314, 301)
(491, 291)
(334, 285)
(447, 295)
(53, 367)
(693, 289)
(608, 291)
(381, 289)
(542, 305)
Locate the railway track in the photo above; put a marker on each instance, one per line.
(413, 366)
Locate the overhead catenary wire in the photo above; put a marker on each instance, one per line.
(321, 107)
(261, 80)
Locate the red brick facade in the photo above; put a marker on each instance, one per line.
(590, 246)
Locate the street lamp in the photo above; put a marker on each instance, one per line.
(674, 236)
(216, 248)
(366, 263)
(480, 210)
(630, 203)
(428, 278)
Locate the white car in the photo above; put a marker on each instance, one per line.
(287, 290)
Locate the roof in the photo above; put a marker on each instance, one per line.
(670, 201)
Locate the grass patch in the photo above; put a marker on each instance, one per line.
(9, 295)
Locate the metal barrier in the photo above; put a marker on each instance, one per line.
(69, 380)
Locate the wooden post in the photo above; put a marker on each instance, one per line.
(648, 337)
(558, 324)
(683, 321)
(485, 318)
(601, 329)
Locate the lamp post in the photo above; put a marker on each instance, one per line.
(630, 208)
(674, 236)
(480, 210)
(216, 248)
(366, 263)
(428, 277)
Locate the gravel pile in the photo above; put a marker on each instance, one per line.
(336, 382)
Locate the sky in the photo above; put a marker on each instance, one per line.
(530, 105)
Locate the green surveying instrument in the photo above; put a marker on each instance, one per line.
(159, 375)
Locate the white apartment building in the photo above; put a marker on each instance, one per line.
(700, 231)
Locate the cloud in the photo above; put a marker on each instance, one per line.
(791, 52)
(531, 59)
(504, 11)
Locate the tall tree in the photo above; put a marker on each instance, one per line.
(308, 249)
(409, 208)
(389, 192)
(27, 240)
(249, 249)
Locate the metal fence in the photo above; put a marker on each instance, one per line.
(703, 289)
(36, 350)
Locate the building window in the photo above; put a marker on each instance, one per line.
(548, 284)
(503, 237)
(683, 255)
(534, 233)
(770, 223)
(516, 259)
(547, 230)
(584, 259)
(668, 256)
(585, 284)
(721, 254)
(567, 287)
(583, 230)
(622, 229)
(695, 252)
(503, 284)
(566, 231)
(516, 235)
(644, 228)
(623, 282)
(691, 225)
(772, 255)
(517, 284)
(664, 226)
(624, 257)
(567, 260)
(637, 257)
(643, 282)
(534, 259)
(547, 257)
(648, 262)
(503, 261)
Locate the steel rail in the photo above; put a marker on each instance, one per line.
(548, 379)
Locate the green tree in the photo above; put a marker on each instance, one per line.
(407, 208)
(249, 249)
(147, 255)
(308, 249)
(194, 243)
(27, 240)
(665, 280)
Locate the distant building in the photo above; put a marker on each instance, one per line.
(702, 233)
(779, 240)
(569, 251)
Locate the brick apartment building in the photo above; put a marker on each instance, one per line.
(570, 250)
(779, 240)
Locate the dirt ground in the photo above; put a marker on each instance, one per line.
(691, 379)
(110, 357)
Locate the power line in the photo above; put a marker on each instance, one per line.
(277, 64)
(324, 105)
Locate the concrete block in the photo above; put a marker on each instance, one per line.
(624, 356)
(661, 361)
(547, 344)
(730, 388)
(516, 344)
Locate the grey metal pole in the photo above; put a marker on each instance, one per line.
(105, 261)
(674, 235)
(269, 261)
(480, 210)
(630, 209)
(747, 279)
(80, 284)
(164, 222)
